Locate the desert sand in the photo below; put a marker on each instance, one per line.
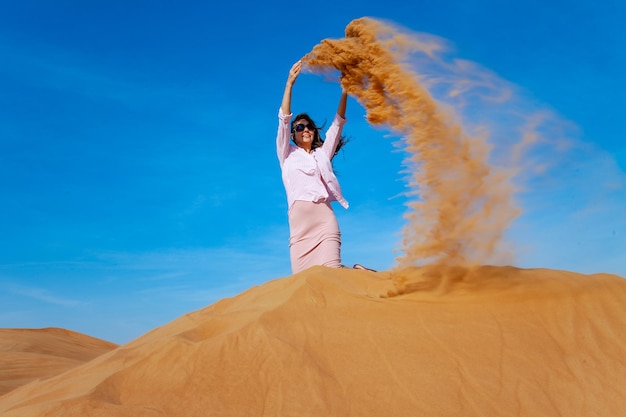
(484, 341)
(30, 354)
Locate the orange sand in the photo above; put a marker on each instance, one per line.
(488, 341)
(30, 354)
(463, 205)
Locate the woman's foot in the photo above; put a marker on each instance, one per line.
(359, 266)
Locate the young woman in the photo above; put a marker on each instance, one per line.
(310, 183)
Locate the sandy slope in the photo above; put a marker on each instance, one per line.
(30, 354)
(484, 342)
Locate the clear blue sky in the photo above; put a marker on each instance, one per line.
(138, 174)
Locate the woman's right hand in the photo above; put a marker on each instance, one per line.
(294, 72)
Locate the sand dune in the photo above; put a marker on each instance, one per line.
(30, 354)
(487, 341)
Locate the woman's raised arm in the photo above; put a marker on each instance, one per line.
(284, 114)
(293, 75)
(341, 110)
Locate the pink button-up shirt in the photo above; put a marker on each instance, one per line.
(309, 176)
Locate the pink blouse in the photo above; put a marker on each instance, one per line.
(309, 176)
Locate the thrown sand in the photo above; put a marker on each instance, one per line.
(487, 341)
(30, 354)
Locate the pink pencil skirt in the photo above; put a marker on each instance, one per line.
(314, 236)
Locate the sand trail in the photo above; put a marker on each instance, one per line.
(461, 204)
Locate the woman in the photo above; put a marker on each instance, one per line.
(310, 183)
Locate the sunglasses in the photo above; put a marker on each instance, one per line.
(301, 126)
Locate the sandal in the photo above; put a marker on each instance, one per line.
(359, 266)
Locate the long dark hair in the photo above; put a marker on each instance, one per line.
(317, 139)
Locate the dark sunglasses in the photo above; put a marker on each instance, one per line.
(301, 126)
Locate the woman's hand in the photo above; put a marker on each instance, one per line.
(294, 72)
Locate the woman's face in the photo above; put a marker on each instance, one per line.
(304, 133)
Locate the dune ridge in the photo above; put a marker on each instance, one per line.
(30, 354)
(421, 341)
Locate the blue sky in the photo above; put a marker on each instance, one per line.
(138, 173)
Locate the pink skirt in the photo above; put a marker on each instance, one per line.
(314, 236)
